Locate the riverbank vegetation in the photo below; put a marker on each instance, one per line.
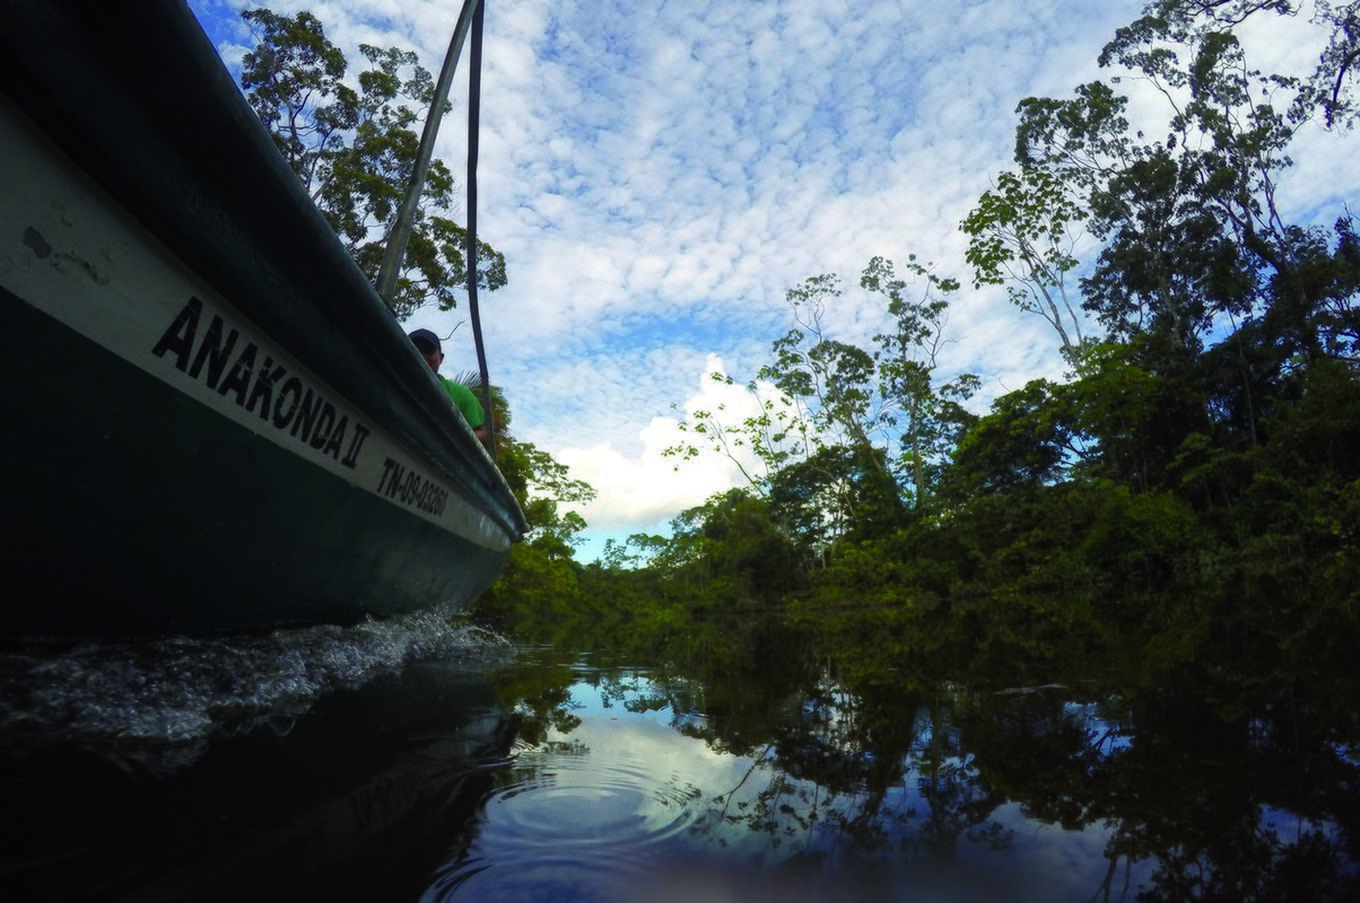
(1194, 477)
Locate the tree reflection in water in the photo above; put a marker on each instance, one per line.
(873, 745)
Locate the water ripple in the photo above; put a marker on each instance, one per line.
(571, 825)
(609, 799)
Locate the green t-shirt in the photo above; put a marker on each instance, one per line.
(463, 399)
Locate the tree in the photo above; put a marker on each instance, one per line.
(759, 444)
(816, 395)
(846, 428)
(540, 578)
(1327, 90)
(833, 497)
(1027, 440)
(354, 150)
(830, 381)
(833, 386)
(1199, 272)
(931, 418)
(734, 551)
(1023, 234)
(542, 484)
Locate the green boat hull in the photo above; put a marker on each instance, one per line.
(212, 421)
(138, 510)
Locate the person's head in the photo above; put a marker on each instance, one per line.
(427, 343)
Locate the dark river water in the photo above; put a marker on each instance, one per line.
(413, 761)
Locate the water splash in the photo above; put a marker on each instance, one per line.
(157, 705)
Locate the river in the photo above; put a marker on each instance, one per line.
(746, 759)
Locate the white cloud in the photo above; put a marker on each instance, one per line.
(647, 485)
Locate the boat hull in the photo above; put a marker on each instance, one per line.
(209, 428)
(138, 510)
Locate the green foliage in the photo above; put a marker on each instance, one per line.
(539, 583)
(1027, 440)
(930, 417)
(1023, 234)
(733, 553)
(1142, 541)
(842, 429)
(540, 579)
(354, 151)
(830, 381)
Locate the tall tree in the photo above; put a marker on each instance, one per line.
(847, 428)
(1195, 245)
(354, 150)
(832, 381)
(930, 417)
(1023, 234)
(834, 387)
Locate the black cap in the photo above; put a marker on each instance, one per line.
(425, 335)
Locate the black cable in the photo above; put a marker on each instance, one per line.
(474, 116)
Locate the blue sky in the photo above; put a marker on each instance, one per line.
(659, 174)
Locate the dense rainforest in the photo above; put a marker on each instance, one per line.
(1193, 481)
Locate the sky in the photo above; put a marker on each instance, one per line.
(659, 173)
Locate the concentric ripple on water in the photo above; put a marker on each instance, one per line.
(585, 820)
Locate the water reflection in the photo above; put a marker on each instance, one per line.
(803, 779)
(861, 757)
(623, 806)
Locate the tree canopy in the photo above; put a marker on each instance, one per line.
(352, 141)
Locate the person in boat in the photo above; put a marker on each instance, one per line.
(427, 343)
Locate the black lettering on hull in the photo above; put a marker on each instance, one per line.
(356, 445)
(408, 486)
(213, 352)
(179, 336)
(275, 395)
